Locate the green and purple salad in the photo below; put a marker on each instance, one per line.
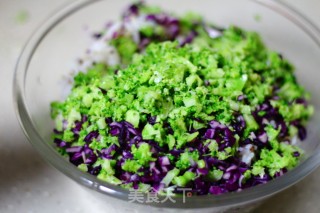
(163, 102)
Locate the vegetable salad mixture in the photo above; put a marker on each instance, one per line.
(163, 102)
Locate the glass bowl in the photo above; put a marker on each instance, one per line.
(45, 63)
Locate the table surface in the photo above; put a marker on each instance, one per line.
(27, 184)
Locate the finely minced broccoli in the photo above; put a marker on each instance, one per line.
(187, 105)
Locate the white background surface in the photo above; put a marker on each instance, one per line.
(27, 184)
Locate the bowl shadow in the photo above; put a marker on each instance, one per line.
(22, 171)
(299, 198)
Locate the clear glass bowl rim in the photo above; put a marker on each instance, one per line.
(229, 199)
